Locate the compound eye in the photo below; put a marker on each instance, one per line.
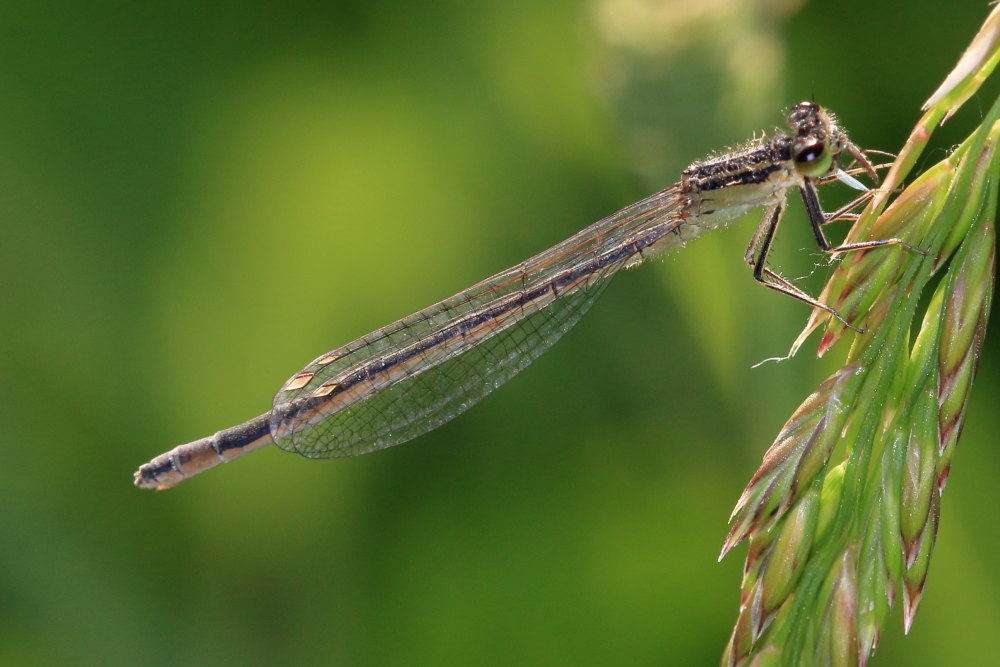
(812, 157)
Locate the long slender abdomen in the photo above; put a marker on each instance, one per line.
(183, 461)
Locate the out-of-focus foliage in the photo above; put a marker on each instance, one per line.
(199, 200)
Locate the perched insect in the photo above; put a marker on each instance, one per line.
(409, 377)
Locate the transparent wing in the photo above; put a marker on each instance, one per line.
(423, 400)
(409, 377)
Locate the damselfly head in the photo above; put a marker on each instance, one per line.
(818, 141)
(808, 118)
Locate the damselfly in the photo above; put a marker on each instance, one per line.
(405, 379)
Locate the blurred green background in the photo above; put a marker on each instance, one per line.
(199, 198)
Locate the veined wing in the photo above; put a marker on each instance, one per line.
(411, 376)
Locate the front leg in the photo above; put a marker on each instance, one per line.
(817, 219)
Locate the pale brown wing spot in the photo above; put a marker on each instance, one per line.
(298, 381)
(325, 390)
